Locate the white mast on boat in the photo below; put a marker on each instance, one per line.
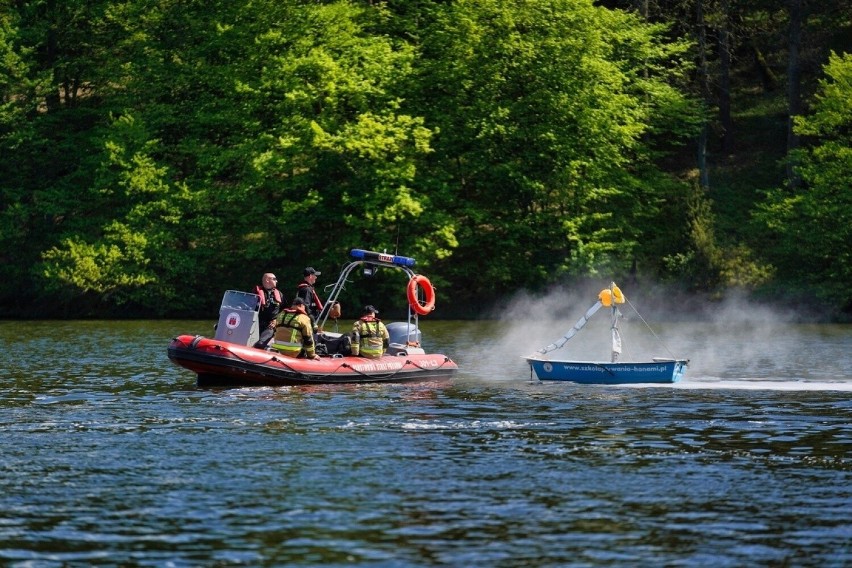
(615, 297)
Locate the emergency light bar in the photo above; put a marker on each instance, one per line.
(369, 255)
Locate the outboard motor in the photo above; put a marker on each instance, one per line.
(238, 318)
(401, 335)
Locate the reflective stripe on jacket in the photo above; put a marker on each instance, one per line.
(370, 338)
(294, 336)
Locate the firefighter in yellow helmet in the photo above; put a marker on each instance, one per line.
(294, 336)
(369, 335)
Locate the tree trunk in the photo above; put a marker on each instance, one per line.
(725, 80)
(793, 86)
(52, 98)
(704, 79)
(767, 77)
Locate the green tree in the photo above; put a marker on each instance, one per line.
(335, 157)
(546, 114)
(16, 102)
(135, 238)
(260, 135)
(54, 63)
(813, 223)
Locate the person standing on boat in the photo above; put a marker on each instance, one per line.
(370, 337)
(294, 336)
(305, 290)
(271, 302)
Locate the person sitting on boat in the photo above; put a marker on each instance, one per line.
(271, 302)
(294, 336)
(370, 337)
(305, 291)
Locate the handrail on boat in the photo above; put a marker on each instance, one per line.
(368, 258)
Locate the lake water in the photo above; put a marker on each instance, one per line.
(112, 456)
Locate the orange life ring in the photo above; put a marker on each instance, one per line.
(428, 293)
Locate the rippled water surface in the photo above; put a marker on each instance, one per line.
(112, 456)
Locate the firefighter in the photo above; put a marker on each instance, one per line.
(369, 335)
(294, 336)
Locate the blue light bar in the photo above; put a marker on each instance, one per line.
(369, 255)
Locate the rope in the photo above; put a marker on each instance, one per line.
(666, 347)
(273, 358)
(446, 360)
(286, 365)
(332, 373)
(375, 376)
(407, 362)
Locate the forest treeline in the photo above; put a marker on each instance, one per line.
(154, 153)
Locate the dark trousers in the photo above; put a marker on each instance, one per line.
(265, 337)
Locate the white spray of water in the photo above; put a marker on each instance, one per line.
(731, 343)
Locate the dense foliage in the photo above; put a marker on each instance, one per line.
(812, 225)
(156, 152)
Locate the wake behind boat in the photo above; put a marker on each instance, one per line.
(657, 370)
(229, 358)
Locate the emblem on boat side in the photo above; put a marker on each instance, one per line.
(548, 367)
(233, 320)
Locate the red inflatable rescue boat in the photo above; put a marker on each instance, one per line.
(229, 358)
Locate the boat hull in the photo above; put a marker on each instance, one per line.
(219, 363)
(585, 372)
